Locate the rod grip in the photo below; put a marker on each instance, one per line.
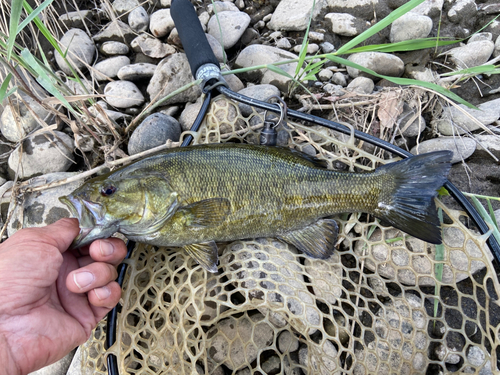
(193, 39)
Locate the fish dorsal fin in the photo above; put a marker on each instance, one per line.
(206, 213)
(205, 254)
(316, 240)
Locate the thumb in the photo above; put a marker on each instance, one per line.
(61, 233)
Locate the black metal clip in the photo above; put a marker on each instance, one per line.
(269, 135)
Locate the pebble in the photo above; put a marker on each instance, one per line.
(287, 342)
(113, 48)
(312, 48)
(283, 43)
(329, 353)
(339, 79)
(124, 6)
(232, 24)
(188, 115)
(259, 92)
(455, 121)
(109, 68)
(123, 94)
(325, 75)
(361, 85)
(346, 24)
(472, 54)
(480, 36)
(380, 62)
(332, 89)
(271, 365)
(496, 52)
(113, 115)
(136, 72)
(204, 18)
(413, 128)
(462, 147)
(257, 54)
(75, 19)
(431, 8)
(462, 10)
(222, 6)
(166, 3)
(117, 31)
(138, 19)
(316, 37)
(410, 26)
(172, 73)
(327, 47)
(359, 8)
(422, 73)
(79, 47)
(325, 277)
(42, 154)
(161, 23)
(154, 130)
(233, 81)
(217, 48)
(294, 15)
(491, 142)
(151, 47)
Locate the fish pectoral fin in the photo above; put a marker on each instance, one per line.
(207, 213)
(316, 240)
(205, 254)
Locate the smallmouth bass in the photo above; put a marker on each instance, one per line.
(193, 197)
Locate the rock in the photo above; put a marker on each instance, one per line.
(491, 142)
(161, 23)
(325, 277)
(138, 19)
(165, 3)
(339, 79)
(381, 63)
(75, 19)
(332, 89)
(294, 15)
(221, 6)
(362, 85)
(258, 54)
(454, 121)
(346, 24)
(113, 48)
(189, 114)
(271, 365)
(123, 94)
(42, 154)
(100, 107)
(325, 75)
(155, 130)
(462, 147)
(316, 37)
(410, 123)
(327, 358)
(359, 8)
(422, 73)
(431, 8)
(283, 43)
(80, 50)
(172, 73)
(232, 24)
(217, 48)
(124, 6)
(204, 18)
(312, 48)
(233, 81)
(410, 26)
(151, 47)
(480, 36)
(136, 72)
(496, 52)
(109, 68)
(287, 342)
(61, 366)
(327, 47)
(472, 54)
(259, 92)
(462, 10)
(117, 31)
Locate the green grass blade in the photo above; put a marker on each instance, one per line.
(474, 70)
(34, 14)
(407, 45)
(3, 89)
(492, 213)
(403, 81)
(305, 42)
(15, 16)
(275, 69)
(379, 25)
(485, 216)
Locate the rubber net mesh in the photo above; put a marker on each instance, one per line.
(384, 303)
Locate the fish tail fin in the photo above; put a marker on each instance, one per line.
(407, 201)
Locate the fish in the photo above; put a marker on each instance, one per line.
(194, 197)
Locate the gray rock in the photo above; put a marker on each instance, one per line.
(455, 121)
(123, 6)
(496, 52)
(172, 73)
(136, 72)
(327, 47)
(204, 17)
(283, 43)
(138, 19)
(462, 147)
(257, 54)
(312, 48)
(480, 36)
(42, 154)
(80, 49)
(155, 130)
(113, 48)
(379, 62)
(346, 24)
(491, 142)
(410, 26)
(410, 123)
(151, 47)
(234, 82)
(217, 48)
(161, 23)
(294, 15)
(287, 342)
(472, 54)
(328, 356)
(271, 365)
(332, 89)
(431, 8)
(339, 79)
(189, 114)
(362, 85)
(422, 73)
(75, 19)
(123, 94)
(221, 6)
(113, 115)
(232, 24)
(316, 37)
(117, 31)
(109, 68)
(462, 10)
(325, 75)
(61, 366)
(259, 92)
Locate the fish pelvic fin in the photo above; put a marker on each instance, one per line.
(316, 240)
(407, 201)
(205, 254)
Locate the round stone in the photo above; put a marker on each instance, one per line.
(380, 62)
(161, 23)
(138, 19)
(294, 15)
(151, 47)
(362, 85)
(123, 94)
(232, 24)
(80, 50)
(472, 54)
(155, 130)
(346, 24)
(136, 72)
(410, 26)
(259, 92)
(462, 147)
(113, 48)
(109, 68)
(287, 342)
(123, 6)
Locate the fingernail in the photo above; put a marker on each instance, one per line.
(83, 279)
(102, 293)
(107, 248)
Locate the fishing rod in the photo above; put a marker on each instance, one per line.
(205, 66)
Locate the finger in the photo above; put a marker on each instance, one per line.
(105, 298)
(60, 234)
(84, 261)
(110, 250)
(95, 275)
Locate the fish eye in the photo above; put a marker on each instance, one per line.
(107, 190)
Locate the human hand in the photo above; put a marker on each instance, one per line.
(50, 297)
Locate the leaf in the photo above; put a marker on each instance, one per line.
(474, 70)
(390, 107)
(275, 69)
(34, 14)
(3, 89)
(486, 217)
(15, 16)
(407, 45)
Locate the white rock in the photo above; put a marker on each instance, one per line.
(222, 6)
(204, 18)
(379, 62)
(283, 43)
(480, 36)
(123, 94)
(325, 75)
(189, 114)
(362, 85)
(80, 50)
(325, 277)
(429, 8)
(491, 142)
(410, 26)
(332, 89)
(410, 123)
(123, 6)
(316, 37)
(109, 68)
(161, 23)
(114, 48)
(327, 47)
(138, 19)
(346, 24)
(136, 72)
(232, 23)
(312, 48)
(287, 342)
(358, 8)
(294, 15)
(496, 52)
(116, 31)
(472, 54)
(462, 147)
(151, 47)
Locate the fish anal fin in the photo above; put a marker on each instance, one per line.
(316, 240)
(205, 254)
(207, 213)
